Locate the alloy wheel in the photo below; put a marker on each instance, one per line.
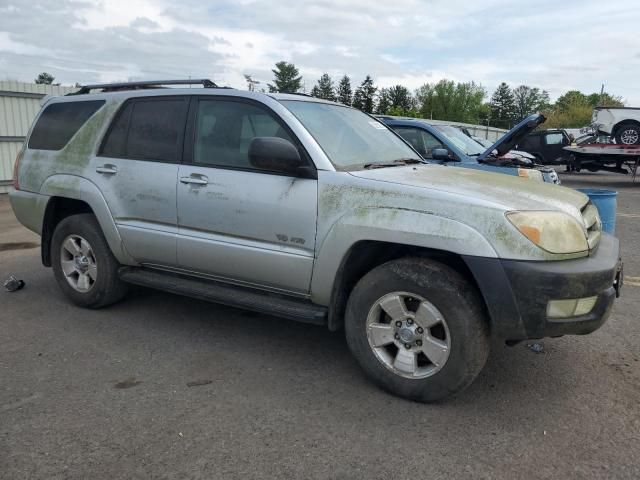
(408, 335)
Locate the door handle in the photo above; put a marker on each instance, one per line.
(107, 169)
(195, 180)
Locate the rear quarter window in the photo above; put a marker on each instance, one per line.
(59, 122)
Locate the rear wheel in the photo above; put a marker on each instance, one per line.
(628, 134)
(85, 268)
(418, 329)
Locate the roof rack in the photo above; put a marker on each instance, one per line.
(296, 93)
(114, 87)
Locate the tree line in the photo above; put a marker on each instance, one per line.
(444, 100)
(449, 100)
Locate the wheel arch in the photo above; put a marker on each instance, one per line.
(616, 127)
(365, 255)
(70, 195)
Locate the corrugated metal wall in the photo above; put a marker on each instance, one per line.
(19, 104)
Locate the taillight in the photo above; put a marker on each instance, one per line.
(16, 183)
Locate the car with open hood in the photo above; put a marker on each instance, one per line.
(451, 145)
(313, 211)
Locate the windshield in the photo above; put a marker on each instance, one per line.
(349, 137)
(468, 145)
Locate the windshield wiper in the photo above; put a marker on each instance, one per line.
(395, 163)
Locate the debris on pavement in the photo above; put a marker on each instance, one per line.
(198, 383)
(536, 347)
(12, 284)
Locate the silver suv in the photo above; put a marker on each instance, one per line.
(313, 211)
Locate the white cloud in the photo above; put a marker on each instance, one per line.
(552, 45)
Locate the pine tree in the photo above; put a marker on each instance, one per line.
(44, 79)
(384, 102)
(324, 88)
(286, 78)
(529, 100)
(400, 98)
(502, 107)
(344, 92)
(364, 98)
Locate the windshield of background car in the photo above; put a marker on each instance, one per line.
(349, 137)
(468, 145)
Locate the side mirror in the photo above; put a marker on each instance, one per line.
(275, 154)
(440, 154)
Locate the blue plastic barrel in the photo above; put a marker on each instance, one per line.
(605, 201)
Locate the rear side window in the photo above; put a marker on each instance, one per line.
(532, 141)
(148, 130)
(59, 122)
(117, 139)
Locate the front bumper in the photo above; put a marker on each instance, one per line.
(549, 175)
(517, 292)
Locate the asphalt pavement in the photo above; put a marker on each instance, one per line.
(161, 386)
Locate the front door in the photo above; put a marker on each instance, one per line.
(421, 140)
(238, 223)
(136, 170)
(554, 143)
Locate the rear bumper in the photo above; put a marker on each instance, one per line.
(517, 292)
(29, 208)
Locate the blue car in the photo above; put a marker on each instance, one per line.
(449, 145)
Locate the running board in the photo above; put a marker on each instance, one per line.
(231, 295)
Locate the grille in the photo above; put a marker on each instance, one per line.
(592, 224)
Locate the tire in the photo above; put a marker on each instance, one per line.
(628, 134)
(428, 290)
(80, 237)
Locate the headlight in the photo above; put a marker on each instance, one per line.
(555, 232)
(530, 173)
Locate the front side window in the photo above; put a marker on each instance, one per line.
(59, 122)
(465, 143)
(423, 141)
(148, 130)
(225, 129)
(554, 139)
(349, 137)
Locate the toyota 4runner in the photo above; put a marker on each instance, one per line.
(313, 211)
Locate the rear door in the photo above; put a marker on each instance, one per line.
(137, 168)
(236, 222)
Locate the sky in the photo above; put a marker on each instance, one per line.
(554, 45)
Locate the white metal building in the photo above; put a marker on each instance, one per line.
(19, 104)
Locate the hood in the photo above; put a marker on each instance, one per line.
(513, 136)
(502, 191)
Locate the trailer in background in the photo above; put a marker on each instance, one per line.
(609, 157)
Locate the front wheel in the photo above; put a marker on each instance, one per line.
(418, 329)
(628, 134)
